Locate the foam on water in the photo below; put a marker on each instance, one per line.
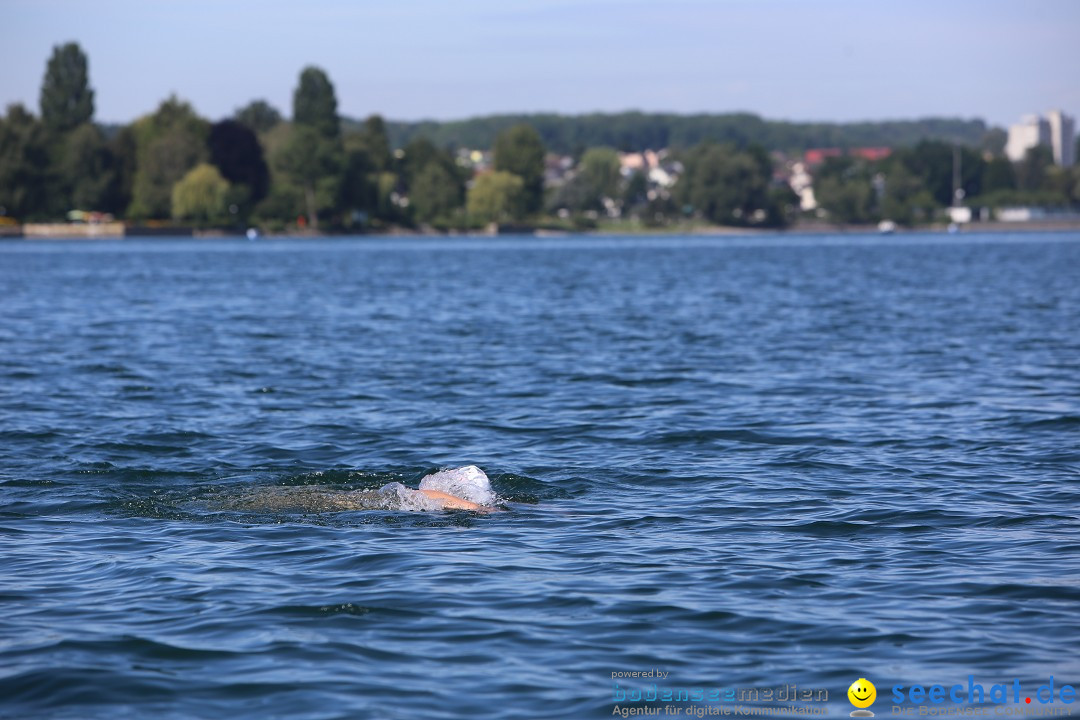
(469, 483)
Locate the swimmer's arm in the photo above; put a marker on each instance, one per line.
(454, 503)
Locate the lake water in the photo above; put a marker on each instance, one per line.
(746, 462)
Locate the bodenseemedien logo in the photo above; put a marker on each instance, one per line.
(862, 694)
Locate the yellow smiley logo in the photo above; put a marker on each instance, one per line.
(862, 693)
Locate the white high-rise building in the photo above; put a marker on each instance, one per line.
(1062, 137)
(1032, 130)
(1057, 131)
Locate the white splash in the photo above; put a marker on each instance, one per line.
(468, 483)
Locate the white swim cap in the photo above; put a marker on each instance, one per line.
(468, 483)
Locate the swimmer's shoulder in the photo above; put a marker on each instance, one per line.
(454, 503)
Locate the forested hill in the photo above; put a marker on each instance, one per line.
(639, 131)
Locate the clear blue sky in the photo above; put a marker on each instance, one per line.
(410, 59)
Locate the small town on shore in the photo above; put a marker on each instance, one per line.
(172, 172)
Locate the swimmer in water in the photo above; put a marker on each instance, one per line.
(464, 488)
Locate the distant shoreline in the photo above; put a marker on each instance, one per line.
(116, 231)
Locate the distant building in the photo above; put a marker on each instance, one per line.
(1030, 132)
(1057, 131)
(1062, 137)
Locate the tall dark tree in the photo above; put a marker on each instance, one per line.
(415, 157)
(519, 150)
(359, 181)
(312, 155)
(313, 164)
(932, 163)
(66, 98)
(123, 150)
(236, 152)
(258, 115)
(315, 104)
(1031, 171)
(23, 161)
(86, 168)
(998, 175)
(377, 143)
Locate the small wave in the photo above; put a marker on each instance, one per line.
(1061, 422)
(691, 437)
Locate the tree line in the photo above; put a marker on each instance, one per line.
(324, 172)
(254, 167)
(914, 183)
(636, 131)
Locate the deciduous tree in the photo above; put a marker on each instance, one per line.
(435, 193)
(201, 195)
(86, 168)
(519, 150)
(497, 197)
(258, 115)
(312, 162)
(23, 164)
(169, 143)
(236, 152)
(727, 186)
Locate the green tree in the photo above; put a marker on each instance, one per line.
(993, 141)
(86, 168)
(432, 180)
(727, 186)
(312, 162)
(600, 169)
(435, 193)
(496, 197)
(597, 178)
(368, 181)
(168, 144)
(843, 187)
(377, 144)
(846, 201)
(417, 155)
(932, 163)
(905, 199)
(123, 152)
(1031, 172)
(258, 115)
(66, 98)
(519, 150)
(637, 190)
(359, 178)
(201, 195)
(24, 183)
(315, 104)
(998, 175)
(385, 184)
(236, 152)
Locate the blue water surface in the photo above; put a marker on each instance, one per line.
(746, 462)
